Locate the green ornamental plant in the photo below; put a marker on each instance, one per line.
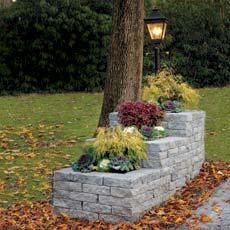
(151, 133)
(159, 132)
(121, 164)
(103, 165)
(167, 86)
(83, 164)
(116, 141)
(115, 149)
(170, 106)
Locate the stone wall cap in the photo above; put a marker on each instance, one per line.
(132, 175)
(186, 112)
(166, 140)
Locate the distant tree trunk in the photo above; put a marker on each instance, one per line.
(5, 3)
(125, 62)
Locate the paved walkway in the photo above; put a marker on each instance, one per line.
(218, 208)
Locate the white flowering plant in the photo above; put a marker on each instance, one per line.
(130, 130)
(150, 133)
(103, 165)
(159, 132)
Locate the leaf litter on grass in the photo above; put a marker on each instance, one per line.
(27, 157)
(171, 214)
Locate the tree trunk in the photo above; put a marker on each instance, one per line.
(125, 62)
(5, 3)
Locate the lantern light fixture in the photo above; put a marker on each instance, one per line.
(157, 25)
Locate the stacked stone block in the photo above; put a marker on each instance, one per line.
(124, 197)
(108, 196)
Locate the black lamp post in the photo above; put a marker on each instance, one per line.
(156, 24)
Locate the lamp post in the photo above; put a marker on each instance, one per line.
(156, 24)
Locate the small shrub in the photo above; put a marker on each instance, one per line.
(147, 131)
(103, 165)
(139, 114)
(116, 142)
(153, 132)
(115, 149)
(121, 164)
(166, 86)
(83, 164)
(159, 132)
(171, 106)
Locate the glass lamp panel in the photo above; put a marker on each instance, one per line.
(157, 30)
(164, 30)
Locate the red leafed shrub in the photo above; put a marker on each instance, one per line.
(139, 114)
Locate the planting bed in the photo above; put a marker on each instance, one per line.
(124, 197)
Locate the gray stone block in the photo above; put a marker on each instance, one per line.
(126, 202)
(183, 149)
(172, 186)
(129, 180)
(173, 152)
(67, 185)
(179, 125)
(123, 211)
(80, 196)
(166, 171)
(164, 124)
(154, 184)
(96, 207)
(129, 193)
(157, 155)
(164, 144)
(165, 180)
(177, 133)
(68, 174)
(77, 213)
(183, 117)
(67, 203)
(167, 162)
(157, 145)
(123, 192)
(178, 174)
(180, 182)
(96, 189)
(109, 200)
(151, 164)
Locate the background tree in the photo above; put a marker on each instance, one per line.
(197, 42)
(125, 62)
(53, 46)
(5, 3)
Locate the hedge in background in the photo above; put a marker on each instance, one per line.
(61, 45)
(53, 45)
(197, 43)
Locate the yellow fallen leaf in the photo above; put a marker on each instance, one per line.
(179, 220)
(2, 186)
(204, 218)
(216, 208)
(9, 158)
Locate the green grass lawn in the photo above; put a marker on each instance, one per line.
(40, 133)
(216, 103)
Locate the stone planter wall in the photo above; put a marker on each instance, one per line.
(124, 197)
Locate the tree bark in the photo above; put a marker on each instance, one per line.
(125, 62)
(5, 3)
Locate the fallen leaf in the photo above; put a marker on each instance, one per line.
(216, 208)
(204, 218)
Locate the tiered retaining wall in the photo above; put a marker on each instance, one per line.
(124, 197)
